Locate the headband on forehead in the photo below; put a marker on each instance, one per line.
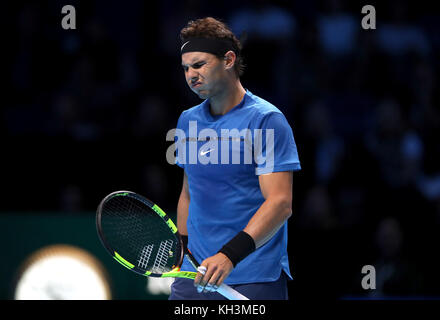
(214, 46)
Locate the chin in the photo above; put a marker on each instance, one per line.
(202, 95)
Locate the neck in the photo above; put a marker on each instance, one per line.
(228, 98)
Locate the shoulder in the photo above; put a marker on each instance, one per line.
(262, 109)
(192, 112)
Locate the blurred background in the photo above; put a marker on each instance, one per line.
(85, 112)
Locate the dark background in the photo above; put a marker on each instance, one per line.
(85, 112)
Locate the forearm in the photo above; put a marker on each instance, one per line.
(182, 214)
(268, 219)
(182, 207)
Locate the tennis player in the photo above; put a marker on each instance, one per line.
(233, 215)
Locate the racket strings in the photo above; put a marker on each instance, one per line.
(144, 256)
(162, 256)
(139, 235)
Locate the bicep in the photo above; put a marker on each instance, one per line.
(276, 185)
(185, 188)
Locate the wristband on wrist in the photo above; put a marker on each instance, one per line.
(238, 247)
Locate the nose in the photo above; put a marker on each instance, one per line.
(191, 75)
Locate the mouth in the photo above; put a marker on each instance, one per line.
(196, 84)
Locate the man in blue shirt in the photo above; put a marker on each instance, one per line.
(238, 154)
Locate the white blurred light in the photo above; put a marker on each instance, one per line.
(158, 286)
(62, 272)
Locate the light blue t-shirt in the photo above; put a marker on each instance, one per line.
(222, 157)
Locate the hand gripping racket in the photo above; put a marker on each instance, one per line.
(141, 237)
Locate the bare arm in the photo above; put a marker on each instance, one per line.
(276, 209)
(182, 207)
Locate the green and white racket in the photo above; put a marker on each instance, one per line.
(141, 237)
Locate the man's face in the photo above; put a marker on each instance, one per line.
(204, 73)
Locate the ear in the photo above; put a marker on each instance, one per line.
(229, 59)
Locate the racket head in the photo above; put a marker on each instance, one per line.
(139, 235)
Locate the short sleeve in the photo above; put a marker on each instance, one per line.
(274, 145)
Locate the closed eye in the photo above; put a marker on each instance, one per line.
(196, 65)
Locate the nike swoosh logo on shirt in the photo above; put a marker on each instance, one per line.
(205, 152)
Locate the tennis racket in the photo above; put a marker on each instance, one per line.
(141, 237)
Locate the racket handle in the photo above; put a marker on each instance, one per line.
(230, 293)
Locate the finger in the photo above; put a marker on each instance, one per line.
(199, 275)
(221, 279)
(209, 287)
(200, 283)
(212, 286)
(206, 278)
(213, 283)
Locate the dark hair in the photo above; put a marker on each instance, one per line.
(212, 28)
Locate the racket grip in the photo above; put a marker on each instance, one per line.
(230, 293)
